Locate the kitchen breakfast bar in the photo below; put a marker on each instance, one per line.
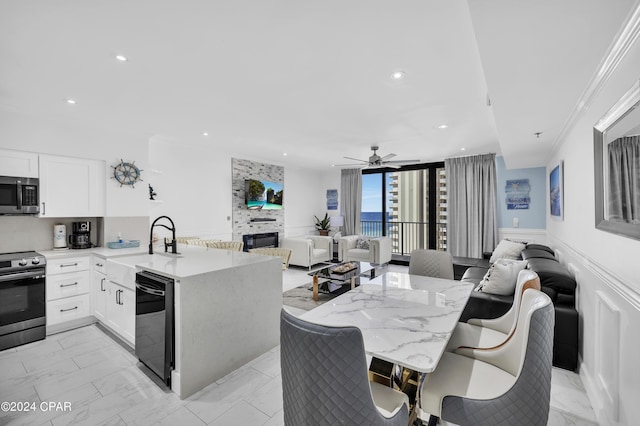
(227, 310)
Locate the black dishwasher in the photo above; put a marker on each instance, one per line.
(154, 323)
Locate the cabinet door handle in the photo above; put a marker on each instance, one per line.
(66, 265)
(44, 211)
(99, 265)
(70, 309)
(68, 285)
(102, 284)
(118, 302)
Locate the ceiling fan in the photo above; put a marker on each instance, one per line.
(376, 162)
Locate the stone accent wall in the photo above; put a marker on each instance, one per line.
(245, 169)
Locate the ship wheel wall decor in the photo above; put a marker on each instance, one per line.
(126, 173)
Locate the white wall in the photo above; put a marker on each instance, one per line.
(25, 133)
(606, 266)
(194, 187)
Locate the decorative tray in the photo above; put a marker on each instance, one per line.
(124, 244)
(343, 269)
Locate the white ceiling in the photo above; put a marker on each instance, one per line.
(311, 78)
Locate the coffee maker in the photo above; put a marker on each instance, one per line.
(80, 237)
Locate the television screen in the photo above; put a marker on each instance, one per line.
(263, 195)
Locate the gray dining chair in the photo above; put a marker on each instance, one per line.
(431, 263)
(507, 385)
(325, 379)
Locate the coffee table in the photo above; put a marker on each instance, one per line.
(329, 275)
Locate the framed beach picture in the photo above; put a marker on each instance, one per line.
(556, 192)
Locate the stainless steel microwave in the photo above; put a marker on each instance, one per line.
(18, 195)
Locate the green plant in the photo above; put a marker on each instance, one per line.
(323, 224)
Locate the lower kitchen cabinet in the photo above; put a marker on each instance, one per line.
(68, 286)
(68, 309)
(99, 296)
(121, 310)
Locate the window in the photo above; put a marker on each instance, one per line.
(413, 199)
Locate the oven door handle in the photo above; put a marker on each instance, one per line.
(20, 275)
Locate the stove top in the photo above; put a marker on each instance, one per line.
(22, 260)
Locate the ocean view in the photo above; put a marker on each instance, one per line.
(372, 216)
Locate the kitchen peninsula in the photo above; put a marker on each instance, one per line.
(227, 307)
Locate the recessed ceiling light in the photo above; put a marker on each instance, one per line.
(71, 101)
(121, 58)
(398, 75)
(463, 149)
(205, 134)
(442, 126)
(285, 154)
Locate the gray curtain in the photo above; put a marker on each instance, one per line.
(351, 200)
(472, 227)
(624, 180)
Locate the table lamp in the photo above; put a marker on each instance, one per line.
(336, 222)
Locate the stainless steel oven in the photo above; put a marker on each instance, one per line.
(22, 298)
(18, 195)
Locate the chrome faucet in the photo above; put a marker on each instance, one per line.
(173, 244)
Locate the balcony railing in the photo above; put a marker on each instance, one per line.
(406, 236)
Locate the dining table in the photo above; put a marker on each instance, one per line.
(404, 319)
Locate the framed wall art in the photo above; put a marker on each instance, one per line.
(556, 192)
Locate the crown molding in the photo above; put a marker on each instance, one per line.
(618, 49)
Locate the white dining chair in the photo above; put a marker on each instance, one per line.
(506, 385)
(487, 333)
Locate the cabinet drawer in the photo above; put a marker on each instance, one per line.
(66, 285)
(99, 264)
(69, 264)
(68, 309)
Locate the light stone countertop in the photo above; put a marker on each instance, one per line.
(190, 260)
(405, 319)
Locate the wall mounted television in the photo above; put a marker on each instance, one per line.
(263, 195)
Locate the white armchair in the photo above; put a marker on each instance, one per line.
(308, 250)
(379, 250)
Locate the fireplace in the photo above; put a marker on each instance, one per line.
(265, 239)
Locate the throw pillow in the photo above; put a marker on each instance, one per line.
(507, 250)
(502, 276)
(362, 243)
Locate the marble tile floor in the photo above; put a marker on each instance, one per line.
(105, 385)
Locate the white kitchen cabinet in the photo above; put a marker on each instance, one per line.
(71, 187)
(68, 309)
(99, 289)
(121, 311)
(68, 287)
(18, 163)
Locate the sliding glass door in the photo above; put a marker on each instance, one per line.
(413, 200)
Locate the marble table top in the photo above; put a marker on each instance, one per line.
(405, 319)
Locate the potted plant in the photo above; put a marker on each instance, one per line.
(323, 225)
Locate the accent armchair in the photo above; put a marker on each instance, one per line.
(308, 250)
(364, 249)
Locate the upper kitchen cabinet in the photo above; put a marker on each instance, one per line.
(18, 163)
(71, 187)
